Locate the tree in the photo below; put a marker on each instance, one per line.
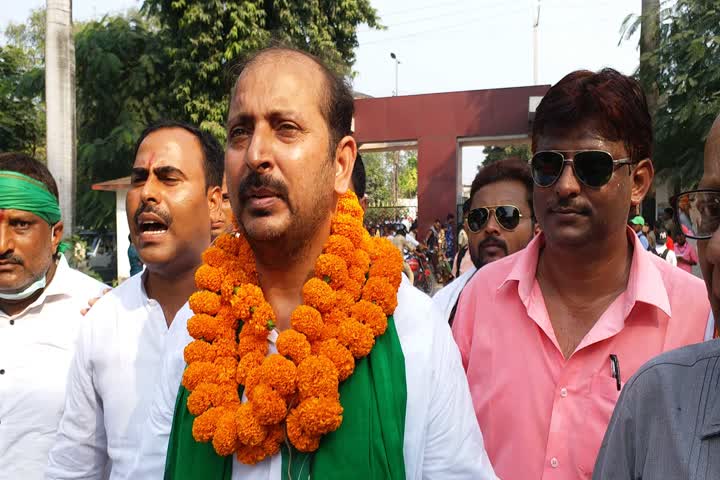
(494, 153)
(688, 79)
(408, 175)
(203, 39)
(122, 79)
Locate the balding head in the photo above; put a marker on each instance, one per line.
(334, 95)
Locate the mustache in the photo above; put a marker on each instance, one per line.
(254, 180)
(9, 257)
(155, 210)
(494, 242)
(571, 204)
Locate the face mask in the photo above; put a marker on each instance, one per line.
(31, 289)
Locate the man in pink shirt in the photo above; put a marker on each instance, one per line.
(549, 335)
(686, 255)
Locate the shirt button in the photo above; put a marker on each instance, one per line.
(2, 371)
(554, 462)
(563, 392)
(12, 322)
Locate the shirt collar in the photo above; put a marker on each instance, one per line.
(61, 283)
(645, 283)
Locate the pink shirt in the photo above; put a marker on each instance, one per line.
(544, 417)
(688, 252)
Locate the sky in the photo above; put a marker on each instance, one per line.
(450, 45)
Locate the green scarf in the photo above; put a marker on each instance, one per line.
(368, 444)
(20, 192)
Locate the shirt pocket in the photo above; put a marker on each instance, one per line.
(599, 406)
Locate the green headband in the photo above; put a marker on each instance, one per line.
(20, 192)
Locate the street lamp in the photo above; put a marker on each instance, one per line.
(397, 62)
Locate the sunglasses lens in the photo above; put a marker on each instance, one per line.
(546, 168)
(698, 213)
(507, 216)
(594, 169)
(477, 219)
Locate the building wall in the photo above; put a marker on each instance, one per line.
(437, 122)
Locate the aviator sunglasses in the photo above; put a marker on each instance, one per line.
(507, 216)
(593, 168)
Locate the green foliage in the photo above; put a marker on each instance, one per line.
(688, 79)
(121, 76)
(494, 153)
(408, 177)
(203, 39)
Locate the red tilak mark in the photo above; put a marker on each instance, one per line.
(2, 215)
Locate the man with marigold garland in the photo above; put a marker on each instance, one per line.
(175, 186)
(308, 354)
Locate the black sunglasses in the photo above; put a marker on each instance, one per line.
(697, 212)
(507, 216)
(593, 168)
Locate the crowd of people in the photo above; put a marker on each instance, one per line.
(269, 335)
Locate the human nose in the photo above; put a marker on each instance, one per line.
(567, 184)
(492, 227)
(6, 239)
(150, 192)
(258, 155)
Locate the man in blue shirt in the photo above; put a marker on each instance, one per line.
(637, 224)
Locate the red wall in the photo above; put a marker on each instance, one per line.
(436, 121)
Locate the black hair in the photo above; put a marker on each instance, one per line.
(23, 163)
(466, 207)
(359, 181)
(506, 169)
(338, 106)
(214, 156)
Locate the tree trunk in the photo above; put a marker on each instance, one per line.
(649, 42)
(60, 104)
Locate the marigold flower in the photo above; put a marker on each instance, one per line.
(350, 206)
(248, 362)
(208, 278)
(262, 320)
(361, 259)
(228, 242)
(354, 289)
(318, 416)
(251, 343)
(226, 320)
(330, 330)
(358, 338)
(379, 291)
(226, 369)
(226, 394)
(268, 405)
(200, 399)
(225, 347)
(332, 270)
(204, 301)
(293, 345)
(253, 379)
(247, 298)
(204, 425)
(249, 430)
(202, 326)
(279, 373)
(348, 227)
(230, 282)
(334, 317)
(199, 372)
(380, 247)
(225, 439)
(317, 377)
(370, 315)
(318, 294)
(343, 300)
(215, 257)
(307, 321)
(269, 447)
(339, 355)
(342, 247)
(199, 351)
(390, 269)
(251, 455)
(296, 435)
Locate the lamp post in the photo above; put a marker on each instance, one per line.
(536, 26)
(397, 62)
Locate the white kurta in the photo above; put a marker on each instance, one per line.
(446, 298)
(442, 437)
(110, 384)
(36, 347)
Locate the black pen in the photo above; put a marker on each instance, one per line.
(615, 370)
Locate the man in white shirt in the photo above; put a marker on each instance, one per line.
(175, 184)
(661, 249)
(40, 302)
(289, 160)
(499, 222)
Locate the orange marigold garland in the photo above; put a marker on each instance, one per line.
(293, 394)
